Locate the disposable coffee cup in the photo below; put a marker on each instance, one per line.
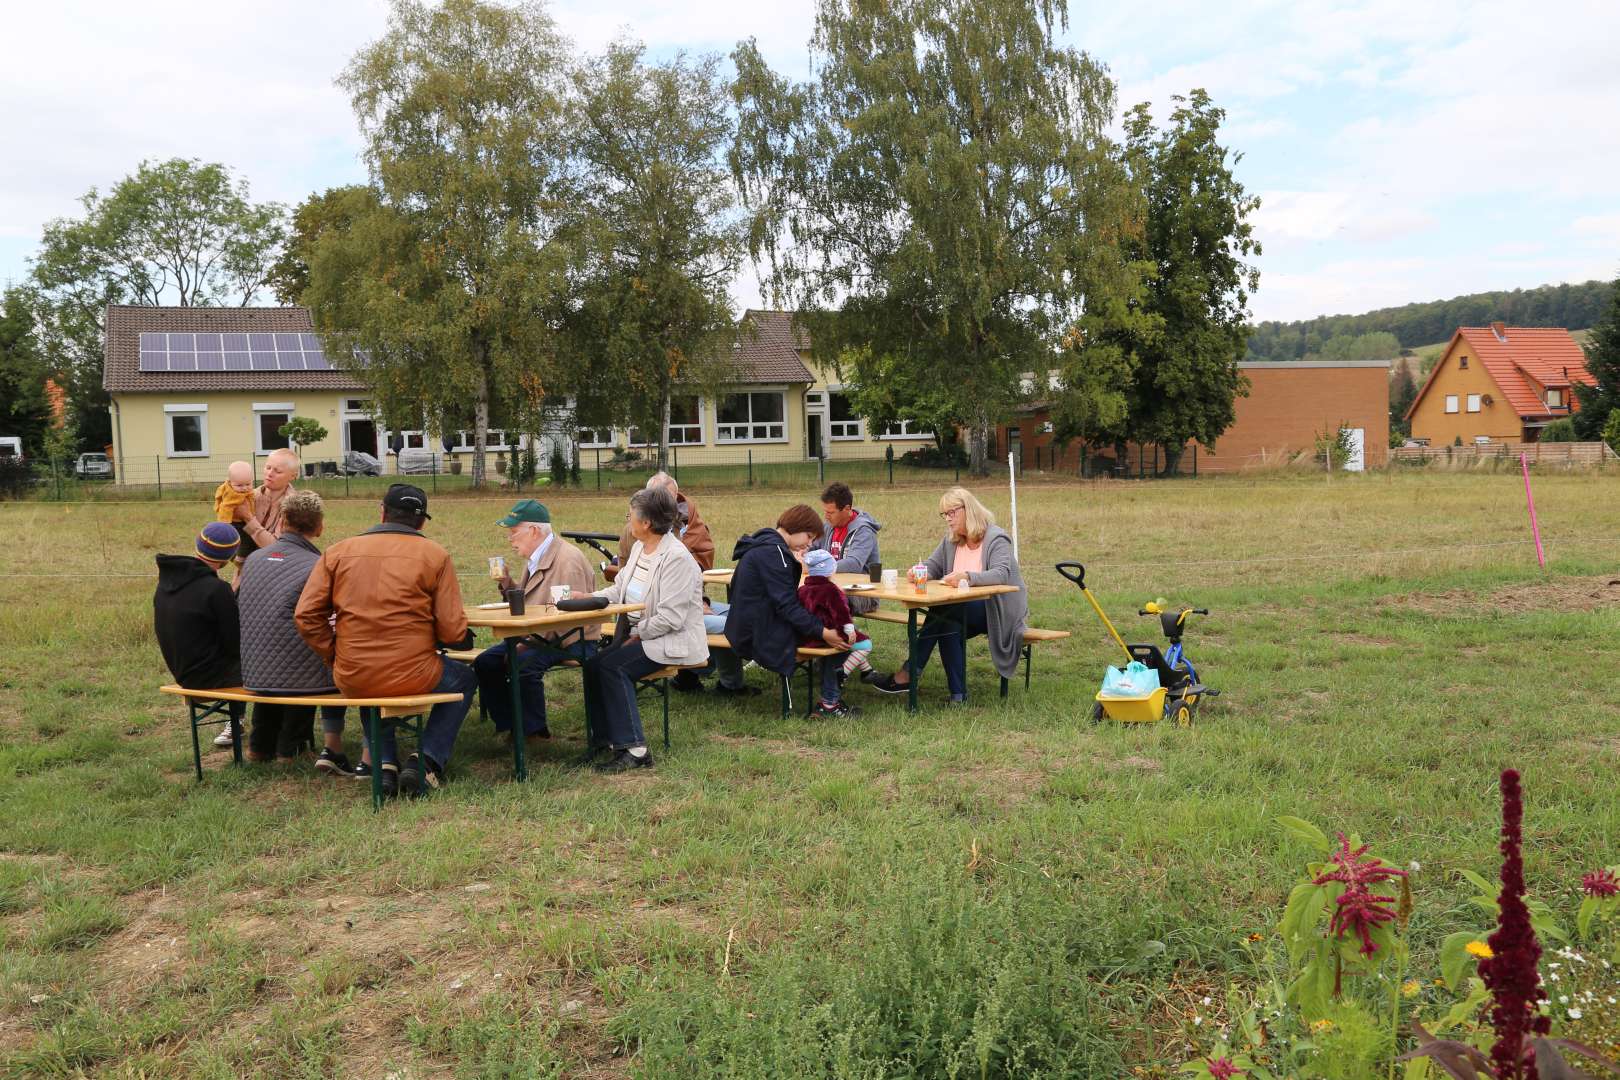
(891, 578)
(964, 584)
(560, 593)
(514, 601)
(875, 571)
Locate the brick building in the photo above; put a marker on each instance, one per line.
(1288, 405)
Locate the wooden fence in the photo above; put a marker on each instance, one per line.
(1567, 454)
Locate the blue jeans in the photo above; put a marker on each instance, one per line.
(714, 620)
(533, 663)
(443, 723)
(610, 682)
(831, 667)
(945, 631)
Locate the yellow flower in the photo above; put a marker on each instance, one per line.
(1479, 949)
(1322, 1026)
(1411, 988)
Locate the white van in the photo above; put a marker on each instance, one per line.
(10, 446)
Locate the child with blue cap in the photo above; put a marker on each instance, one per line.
(822, 597)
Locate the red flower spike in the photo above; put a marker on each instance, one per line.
(1358, 910)
(1222, 1068)
(1511, 972)
(1601, 884)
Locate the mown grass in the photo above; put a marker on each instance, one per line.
(1004, 890)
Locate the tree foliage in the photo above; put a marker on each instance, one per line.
(1403, 390)
(1574, 307)
(1603, 363)
(652, 222)
(1348, 348)
(301, 431)
(176, 232)
(1198, 234)
(445, 277)
(938, 200)
(334, 209)
(24, 410)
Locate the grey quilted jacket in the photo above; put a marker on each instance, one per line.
(274, 656)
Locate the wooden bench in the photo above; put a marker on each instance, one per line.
(210, 707)
(1032, 636)
(803, 660)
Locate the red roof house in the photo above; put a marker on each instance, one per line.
(1502, 383)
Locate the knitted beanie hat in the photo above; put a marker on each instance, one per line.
(217, 541)
(818, 563)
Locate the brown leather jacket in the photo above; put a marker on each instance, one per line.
(395, 596)
(694, 536)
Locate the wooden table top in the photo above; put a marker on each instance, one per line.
(543, 618)
(937, 594)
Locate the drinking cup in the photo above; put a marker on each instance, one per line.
(497, 567)
(514, 601)
(875, 572)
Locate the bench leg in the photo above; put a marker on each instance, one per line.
(235, 727)
(787, 695)
(196, 742)
(811, 694)
(663, 692)
(370, 722)
(520, 767)
(1004, 686)
(1029, 660)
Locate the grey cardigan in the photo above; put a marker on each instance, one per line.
(1007, 613)
(671, 627)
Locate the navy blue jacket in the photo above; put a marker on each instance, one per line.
(766, 620)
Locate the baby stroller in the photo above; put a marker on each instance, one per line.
(1180, 690)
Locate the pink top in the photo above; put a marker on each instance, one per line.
(968, 560)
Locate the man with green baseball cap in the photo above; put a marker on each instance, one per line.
(547, 562)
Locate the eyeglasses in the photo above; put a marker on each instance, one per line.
(947, 514)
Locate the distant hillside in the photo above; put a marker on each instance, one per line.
(1575, 307)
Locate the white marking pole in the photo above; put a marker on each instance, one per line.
(1012, 482)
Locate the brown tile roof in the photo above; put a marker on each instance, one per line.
(125, 324)
(767, 349)
(1521, 357)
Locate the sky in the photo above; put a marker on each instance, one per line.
(1401, 151)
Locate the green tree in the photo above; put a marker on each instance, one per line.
(1611, 431)
(1603, 363)
(301, 431)
(24, 411)
(1378, 345)
(1198, 234)
(1402, 392)
(1560, 430)
(938, 199)
(176, 232)
(333, 209)
(655, 227)
(447, 283)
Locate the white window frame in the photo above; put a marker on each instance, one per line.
(727, 432)
(1453, 403)
(200, 411)
(844, 430)
(901, 429)
(464, 441)
(354, 406)
(272, 408)
(1473, 403)
(1554, 392)
(685, 429)
(596, 434)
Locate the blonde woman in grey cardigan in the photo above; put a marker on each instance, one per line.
(977, 549)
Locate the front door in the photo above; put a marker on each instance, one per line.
(362, 437)
(813, 434)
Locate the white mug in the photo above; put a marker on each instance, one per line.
(560, 593)
(891, 578)
(963, 584)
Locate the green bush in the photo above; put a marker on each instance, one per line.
(558, 465)
(1611, 431)
(1559, 431)
(15, 477)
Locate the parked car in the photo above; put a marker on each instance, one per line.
(357, 463)
(10, 446)
(93, 467)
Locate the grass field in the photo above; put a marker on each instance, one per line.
(1001, 890)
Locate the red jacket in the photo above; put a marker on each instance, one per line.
(823, 598)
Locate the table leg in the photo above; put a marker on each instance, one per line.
(196, 743)
(911, 659)
(235, 728)
(370, 721)
(520, 767)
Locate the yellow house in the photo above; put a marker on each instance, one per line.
(782, 407)
(1499, 384)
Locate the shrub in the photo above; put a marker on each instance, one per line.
(1611, 431)
(1562, 430)
(15, 477)
(948, 456)
(558, 465)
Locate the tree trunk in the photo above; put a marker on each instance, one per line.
(1172, 457)
(978, 443)
(480, 425)
(663, 432)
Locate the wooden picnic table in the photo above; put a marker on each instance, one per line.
(935, 594)
(542, 619)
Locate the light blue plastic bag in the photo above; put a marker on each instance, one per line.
(1136, 680)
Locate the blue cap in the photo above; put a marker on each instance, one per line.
(818, 563)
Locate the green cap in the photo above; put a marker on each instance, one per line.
(527, 510)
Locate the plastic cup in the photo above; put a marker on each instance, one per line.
(514, 601)
(891, 578)
(963, 585)
(497, 567)
(875, 572)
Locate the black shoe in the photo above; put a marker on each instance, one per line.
(736, 691)
(624, 761)
(420, 776)
(590, 757)
(837, 709)
(334, 764)
(886, 685)
(362, 771)
(390, 780)
(686, 682)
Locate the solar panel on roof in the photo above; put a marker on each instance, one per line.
(316, 361)
(233, 352)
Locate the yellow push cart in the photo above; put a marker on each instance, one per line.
(1180, 690)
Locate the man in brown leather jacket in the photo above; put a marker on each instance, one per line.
(376, 609)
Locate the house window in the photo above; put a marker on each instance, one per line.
(1555, 399)
(685, 423)
(1473, 403)
(187, 430)
(596, 439)
(1462, 361)
(356, 405)
(906, 429)
(268, 419)
(754, 417)
(1451, 403)
(493, 440)
(842, 421)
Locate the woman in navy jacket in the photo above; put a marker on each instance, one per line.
(766, 620)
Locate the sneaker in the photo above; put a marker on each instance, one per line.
(836, 709)
(626, 760)
(224, 737)
(736, 691)
(390, 780)
(362, 771)
(885, 684)
(334, 764)
(686, 682)
(420, 776)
